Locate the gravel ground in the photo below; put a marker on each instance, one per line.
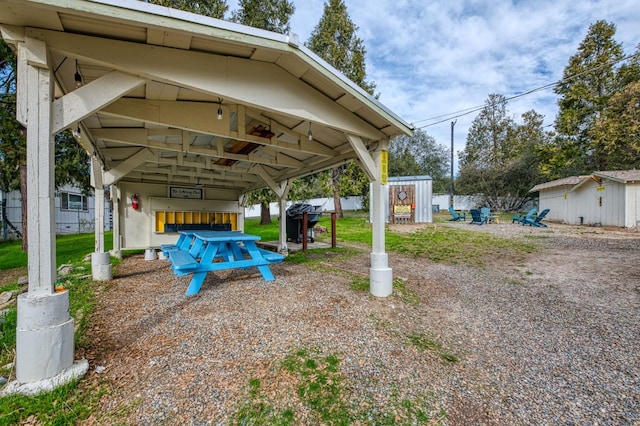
(547, 338)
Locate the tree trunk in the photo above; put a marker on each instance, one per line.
(337, 204)
(23, 203)
(265, 214)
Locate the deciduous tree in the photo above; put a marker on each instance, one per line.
(72, 165)
(500, 159)
(420, 155)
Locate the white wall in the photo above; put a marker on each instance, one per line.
(632, 206)
(137, 227)
(591, 203)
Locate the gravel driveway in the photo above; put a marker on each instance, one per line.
(546, 338)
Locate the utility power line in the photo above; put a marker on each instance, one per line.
(467, 111)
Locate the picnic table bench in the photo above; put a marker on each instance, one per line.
(219, 250)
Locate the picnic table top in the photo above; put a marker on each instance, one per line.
(220, 236)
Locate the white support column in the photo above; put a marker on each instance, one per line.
(100, 261)
(282, 198)
(115, 214)
(380, 275)
(44, 335)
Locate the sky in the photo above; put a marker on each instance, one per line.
(431, 59)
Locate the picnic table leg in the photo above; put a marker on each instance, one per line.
(255, 254)
(196, 283)
(198, 277)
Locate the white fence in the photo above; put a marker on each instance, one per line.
(348, 203)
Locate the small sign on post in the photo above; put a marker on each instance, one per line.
(384, 167)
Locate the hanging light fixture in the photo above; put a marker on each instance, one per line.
(77, 131)
(310, 134)
(77, 77)
(219, 109)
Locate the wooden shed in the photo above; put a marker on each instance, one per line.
(608, 198)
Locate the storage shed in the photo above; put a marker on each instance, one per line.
(608, 198)
(409, 199)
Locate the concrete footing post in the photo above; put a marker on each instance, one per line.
(44, 339)
(150, 254)
(101, 266)
(380, 275)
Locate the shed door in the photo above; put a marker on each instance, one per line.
(402, 203)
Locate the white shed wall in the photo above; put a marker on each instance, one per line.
(591, 204)
(559, 202)
(632, 206)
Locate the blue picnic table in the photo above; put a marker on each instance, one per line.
(201, 252)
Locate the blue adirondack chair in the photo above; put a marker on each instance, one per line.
(485, 212)
(456, 216)
(476, 217)
(521, 218)
(537, 221)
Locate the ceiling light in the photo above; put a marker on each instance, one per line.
(219, 109)
(310, 134)
(77, 77)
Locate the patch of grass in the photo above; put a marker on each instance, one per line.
(11, 255)
(401, 292)
(67, 404)
(360, 284)
(69, 248)
(441, 244)
(316, 382)
(422, 342)
(434, 242)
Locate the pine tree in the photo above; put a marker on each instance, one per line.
(588, 83)
(211, 8)
(616, 133)
(271, 15)
(334, 40)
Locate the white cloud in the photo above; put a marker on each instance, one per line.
(433, 58)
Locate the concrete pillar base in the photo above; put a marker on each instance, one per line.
(44, 336)
(101, 266)
(76, 371)
(381, 282)
(150, 254)
(380, 275)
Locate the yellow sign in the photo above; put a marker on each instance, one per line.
(384, 167)
(601, 188)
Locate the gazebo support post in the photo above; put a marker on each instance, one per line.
(44, 335)
(380, 275)
(100, 260)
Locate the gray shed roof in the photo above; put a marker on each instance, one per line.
(568, 181)
(622, 176)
